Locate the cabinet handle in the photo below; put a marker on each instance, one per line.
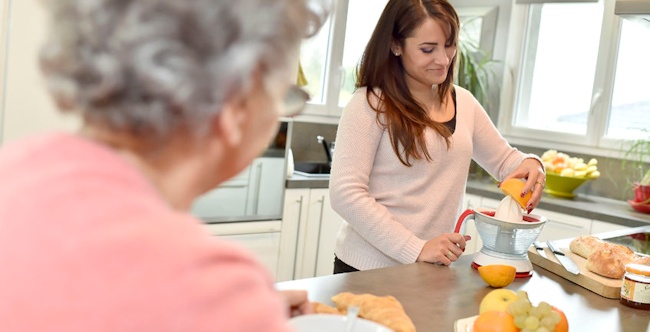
(321, 200)
(295, 250)
(258, 183)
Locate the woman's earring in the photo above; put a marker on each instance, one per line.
(397, 53)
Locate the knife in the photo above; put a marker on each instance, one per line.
(567, 262)
(540, 249)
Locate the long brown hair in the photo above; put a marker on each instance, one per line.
(406, 120)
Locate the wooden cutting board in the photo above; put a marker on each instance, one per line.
(606, 287)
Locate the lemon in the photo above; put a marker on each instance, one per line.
(497, 275)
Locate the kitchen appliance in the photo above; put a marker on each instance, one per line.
(504, 242)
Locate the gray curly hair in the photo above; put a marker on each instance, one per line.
(148, 66)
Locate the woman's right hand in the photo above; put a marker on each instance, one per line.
(443, 249)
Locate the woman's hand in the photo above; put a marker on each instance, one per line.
(297, 302)
(533, 171)
(443, 249)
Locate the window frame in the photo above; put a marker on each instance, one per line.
(594, 142)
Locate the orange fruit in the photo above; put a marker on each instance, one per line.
(563, 325)
(513, 188)
(494, 321)
(497, 275)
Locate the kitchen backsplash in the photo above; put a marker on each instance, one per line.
(305, 146)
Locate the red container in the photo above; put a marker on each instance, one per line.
(641, 193)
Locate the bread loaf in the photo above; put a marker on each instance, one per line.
(603, 258)
(586, 245)
(385, 310)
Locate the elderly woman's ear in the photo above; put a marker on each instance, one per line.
(228, 124)
(237, 112)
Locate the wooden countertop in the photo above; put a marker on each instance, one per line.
(436, 296)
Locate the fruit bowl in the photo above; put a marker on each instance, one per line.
(562, 186)
(643, 207)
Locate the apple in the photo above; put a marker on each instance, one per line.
(497, 300)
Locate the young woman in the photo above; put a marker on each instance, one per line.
(175, 97)
(405, 142)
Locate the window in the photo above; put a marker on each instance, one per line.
(329, 60)
(630, 108)
(581, 78)
(559, 67)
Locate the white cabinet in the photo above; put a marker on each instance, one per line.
(309, 229)
(229, 199)
(260, 237)
(252, 193)
(598, 227)
(562, 226)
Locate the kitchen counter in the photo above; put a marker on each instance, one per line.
(435, 296)
(590, 207)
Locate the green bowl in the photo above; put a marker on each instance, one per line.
(562, 186)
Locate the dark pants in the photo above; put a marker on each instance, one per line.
(341, 267)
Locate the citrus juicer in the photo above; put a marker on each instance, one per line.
(504, 242)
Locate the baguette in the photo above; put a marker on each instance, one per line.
(603, 258)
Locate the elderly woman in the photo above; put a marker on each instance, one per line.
(175, 97)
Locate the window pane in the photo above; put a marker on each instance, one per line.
(470, 28)
(559, 66)
(630, 109)
(313, 59)
(362, 18)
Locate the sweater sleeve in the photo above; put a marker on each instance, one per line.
(358, 137)
(491, 150)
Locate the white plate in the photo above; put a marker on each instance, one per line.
(333, 323)
(465, 324)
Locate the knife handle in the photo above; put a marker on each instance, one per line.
(553, 248)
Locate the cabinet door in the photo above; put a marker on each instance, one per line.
(309, 234)
(330, 225)
(265, 183)
(294, 214)
(228, 200)
(598, 227)
(562, 226)
(262, 238)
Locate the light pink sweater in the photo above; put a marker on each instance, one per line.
(87, 244)
(391, 210)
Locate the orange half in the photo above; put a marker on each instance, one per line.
(513, 188)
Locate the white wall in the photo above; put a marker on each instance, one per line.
(26, 107)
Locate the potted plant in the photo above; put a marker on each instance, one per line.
(637, 163)
(475, 71)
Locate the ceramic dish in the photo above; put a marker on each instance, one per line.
(643, 208)
(333, 323)
(465, 324)
(562, 186)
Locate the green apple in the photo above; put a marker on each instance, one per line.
(497, 300)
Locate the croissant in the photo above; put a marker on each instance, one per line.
(322, 308)
(385, 310)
